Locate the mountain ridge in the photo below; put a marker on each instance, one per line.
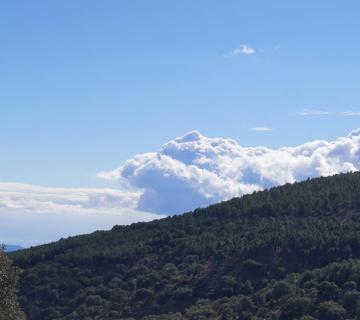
(236, 250)
(12, 247)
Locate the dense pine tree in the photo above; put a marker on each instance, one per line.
(291, 252)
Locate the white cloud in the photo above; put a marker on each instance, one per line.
(244, 49)
(193, 170)
(32, 214)
(351, 113)
(314, 112)
(188, 172)
(261, 129)
(83, 201)
(317, 112)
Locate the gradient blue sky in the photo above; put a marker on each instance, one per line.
(85, 85)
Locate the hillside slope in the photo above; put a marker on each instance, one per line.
(286, 253)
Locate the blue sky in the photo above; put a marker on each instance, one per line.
(86, 85)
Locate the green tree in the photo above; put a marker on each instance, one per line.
(9, 307)
(331, 310)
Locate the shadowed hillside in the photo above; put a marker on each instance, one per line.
(287, 253)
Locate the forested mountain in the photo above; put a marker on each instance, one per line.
(291, 252)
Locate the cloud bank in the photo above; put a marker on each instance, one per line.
(193, 170)
(188, 172)
(32, 214)
(82, 201)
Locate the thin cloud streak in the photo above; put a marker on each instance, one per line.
(318, 112)
(261, 129)
(351, 113)
(314, 112)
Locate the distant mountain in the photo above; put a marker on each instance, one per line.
(291, 252)
(12, 248)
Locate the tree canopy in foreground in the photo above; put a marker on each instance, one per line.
(9, 307)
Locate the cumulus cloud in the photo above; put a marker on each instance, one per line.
(32, 214)
(194, 170)
(188, 172)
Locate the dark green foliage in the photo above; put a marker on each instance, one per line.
(287, 253)
(9, 307)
